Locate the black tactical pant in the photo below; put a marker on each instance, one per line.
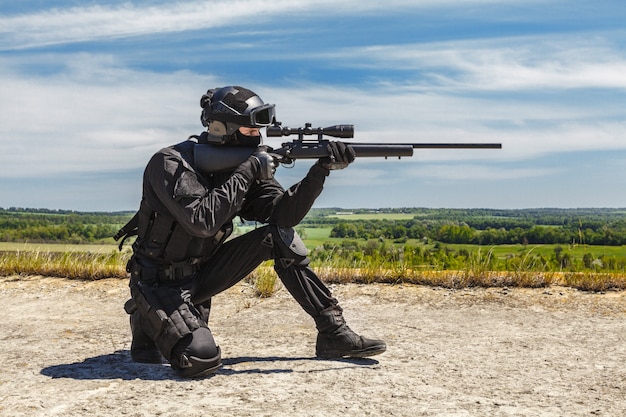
(184, 338)
(238, 257)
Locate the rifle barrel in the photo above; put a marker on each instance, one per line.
(456, 145)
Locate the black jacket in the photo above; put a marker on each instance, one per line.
(185, 214)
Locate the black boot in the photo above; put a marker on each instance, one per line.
(336, 340)
(142, 348)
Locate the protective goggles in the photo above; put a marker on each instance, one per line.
(261, 116)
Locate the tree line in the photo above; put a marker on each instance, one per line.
(487, 231)
(52, 226)
(463, 226)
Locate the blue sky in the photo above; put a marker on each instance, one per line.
(91, 89)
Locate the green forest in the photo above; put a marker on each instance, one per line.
(605, 227)
(496, 227)
(59, 226)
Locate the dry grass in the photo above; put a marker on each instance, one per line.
(76, 265)
(596, 282)
(263, 280)
(585, 281)
(93, 266)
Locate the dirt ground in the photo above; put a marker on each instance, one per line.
(478, 352)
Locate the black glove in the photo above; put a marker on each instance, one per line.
(339, 156)
(267, 162)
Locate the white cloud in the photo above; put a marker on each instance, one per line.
(94, 113)
(467, 172)
(527, 128)
(504, 64)
(78, 24)
(93, 118)
(99, 116)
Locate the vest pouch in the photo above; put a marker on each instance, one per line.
(158, 235)
(178, 245)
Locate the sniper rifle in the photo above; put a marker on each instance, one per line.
(211, 158)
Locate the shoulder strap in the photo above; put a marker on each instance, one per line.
(129, 229)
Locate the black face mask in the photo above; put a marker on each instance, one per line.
(239, 139)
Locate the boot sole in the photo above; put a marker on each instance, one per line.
(363, 353)
(203, 373)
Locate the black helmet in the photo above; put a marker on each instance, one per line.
(226, 109)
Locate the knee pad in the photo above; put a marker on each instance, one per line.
(169, 317)
(289, 249)
(196, 355)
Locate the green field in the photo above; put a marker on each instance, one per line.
(57, 247)
(313, 237)
(371, 216)
(316, 237)
(576, 251)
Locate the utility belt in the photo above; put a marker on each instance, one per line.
(152, 274)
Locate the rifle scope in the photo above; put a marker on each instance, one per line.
(337, 131)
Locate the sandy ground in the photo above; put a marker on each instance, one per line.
(479, 352)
